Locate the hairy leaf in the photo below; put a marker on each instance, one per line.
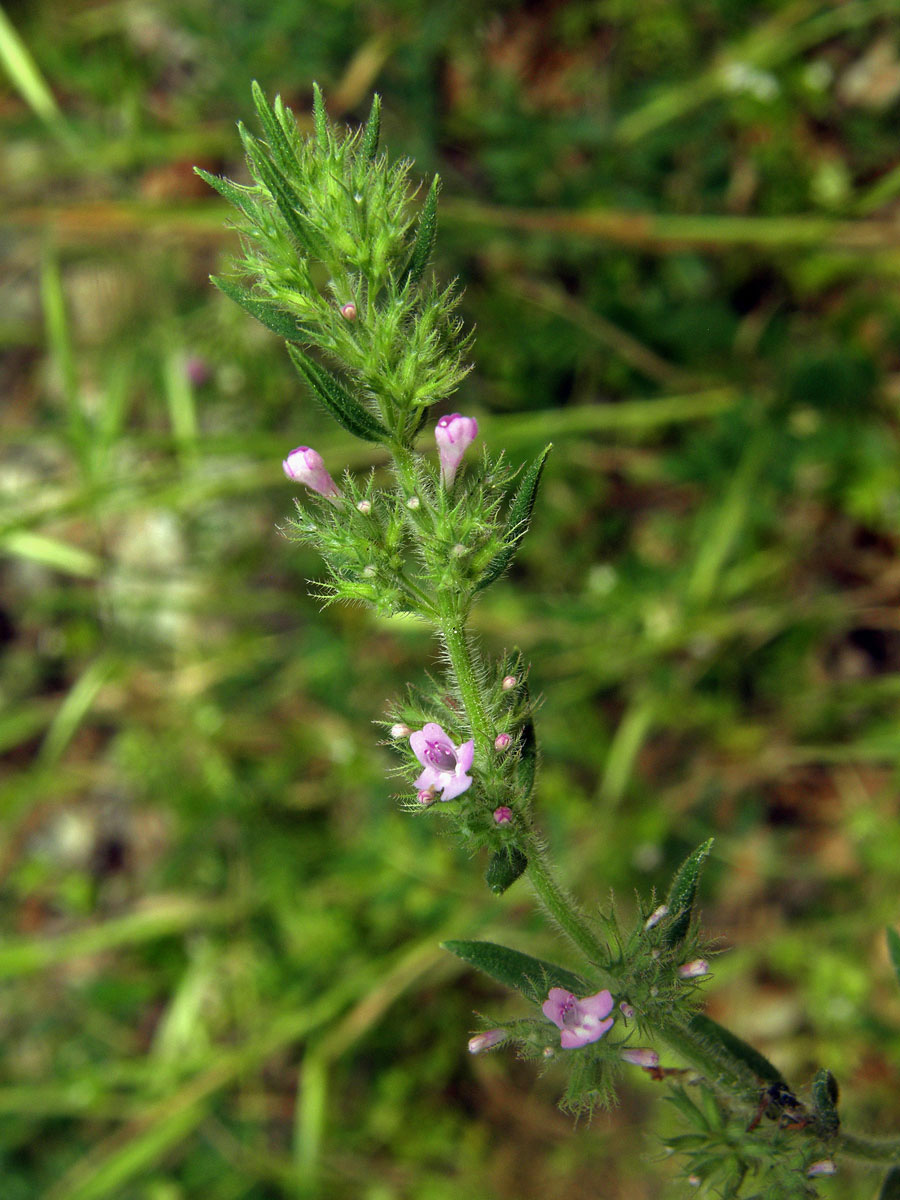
(320, 118)
(283, 194)
(682, 894)
(372, 131)
(518, 519)
(234, 193)
(425, 235)
(825, 1097)
(504, 868)
(264, 311)
(336, 400)
(531, 976)
(723, 1039)
(279, 145)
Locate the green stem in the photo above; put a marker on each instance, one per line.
(872, 1150)
(453, 631)
(562, 907)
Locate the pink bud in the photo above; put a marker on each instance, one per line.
(641, 1058)
(348, 312)
(509, 682)
(400, 730)
(627, 1009)
(656, 916)
(305, 465)
(365, 507)
(503, 815)
(501, 741)
(485, 1041)
(425, 796)
(824, 1166)
(695, 969)
(453, 435)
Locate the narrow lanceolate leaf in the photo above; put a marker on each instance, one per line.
(265, 311)
(526, 766)
(731, 1047)
(281, 148)
(518, 519)
(320, 118)
(425, 235)
(890, 1188)
(239, 196)
(682, 895)
(531, 976)
(893, 941)
(505, 867)
(825, 1097)
(372, 131)
(283, 194)
(333, 397)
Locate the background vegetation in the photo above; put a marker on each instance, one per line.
(676, 226)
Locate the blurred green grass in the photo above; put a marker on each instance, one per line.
(676, 226)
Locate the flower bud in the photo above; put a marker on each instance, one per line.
(400, 730)
(485, 1041)
(501, 741)
(823, 1166)
(348, 312)
(695, 969)
(627, 1009)
(305, 465)
(509, 682)
(413, 502)
(641, 1058)
(453, 434)
(656, 916)
(503, 815)
(426, 796)
(365, 507)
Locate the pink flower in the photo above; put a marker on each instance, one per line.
(348, 312)
(695, 969)
(305, 465)
(581, 1021)
(445, 764)
(641, 1058)
(656, 916)
(484, 1041)
(824, 1166)
(453, 435)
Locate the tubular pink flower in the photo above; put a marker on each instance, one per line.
(453, 434)
(581, 1021)
(695, 969)
(485, 1041)
(641, 1058)
(445, 764)
(305, 465)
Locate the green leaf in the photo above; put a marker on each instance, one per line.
(320, 118)
(682, 894)
(526, 766)
(531, 976)
(893, 941)
(281, 148)
(505, 867)
(425, 235)
(283, 194)
(518, 519)
(338, 402)
(264, 311)
(234, 193)
(372, 131)
(825, 1097)
(890, 1188)
(721, 1039)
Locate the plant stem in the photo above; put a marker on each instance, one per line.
(453, 630)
